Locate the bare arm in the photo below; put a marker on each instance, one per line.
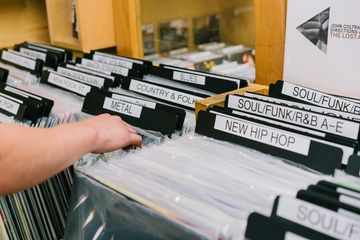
(29, 156)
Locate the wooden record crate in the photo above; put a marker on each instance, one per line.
(219, 100)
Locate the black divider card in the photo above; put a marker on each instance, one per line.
(344, 205)
(348, 147)
(12, 107)
(50, 59)
(176, 96)
(47, 103)
(125, 62)
(4, 73)
(96, 81)
(340, 189)
(31, 65)
(34, 107)
(304, 118)
(288, 90)
(66, 54)
(150, 104)
(136, 115)
(116, 80)
(53, 78)
(294, 147)
(313, 108)
(206, 81)
(260, 227)
(316, 218)
(353, 166)
(110, 68)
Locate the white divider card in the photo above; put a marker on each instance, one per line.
(106, 67)
(319, 98)
(68, 84)
(19, 60)
(202, 74)
(9, 104)
(22, 93)
(318, 218)
(164, 93)
(266, 135)
(308, 107)
(293, 236)
(320, 122)
(349, 214)
(32, 53)
(350, 200)
(122, 107)
(133, 100)
(348, 192)
(190, 78)
(112, 61)
(83, 77)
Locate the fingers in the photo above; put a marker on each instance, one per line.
(135, 140)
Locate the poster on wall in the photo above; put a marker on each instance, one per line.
(323, 44)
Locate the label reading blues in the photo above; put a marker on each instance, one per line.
(83, 77)
(9, 105)
(163, 93)
(105, 67)
(123, 107)
(21, 61)
(319, 98)
(136, 101)
(312, 120)
(32, 53)
(319, 219)
(190, 78)
(113, 61)
(270, 136)
(69, 84)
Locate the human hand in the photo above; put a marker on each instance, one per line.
(112, 133)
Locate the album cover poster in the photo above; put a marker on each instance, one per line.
(206, 29)
(322, 44)
(173, 34)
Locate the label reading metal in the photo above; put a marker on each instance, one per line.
(123, 107)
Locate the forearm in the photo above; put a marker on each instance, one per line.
(29, 156)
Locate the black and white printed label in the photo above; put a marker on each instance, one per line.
(312, 108)
(164, 93)
(136, 101)
(319, 98)
(47, 46)
(270, 136)
(9, 105)
(317, 218)
(16, 59)
(293, 236)
(83, 77)
(189, 78)
(312, 120)
(348, 192)
(119, 58)
(122, 107)
(105, 67)
(68, 84)
(32, 53)
(90, 71)
(349, 214)
(205, 74)
(24, 94)
(350, 201)
(113, 61)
